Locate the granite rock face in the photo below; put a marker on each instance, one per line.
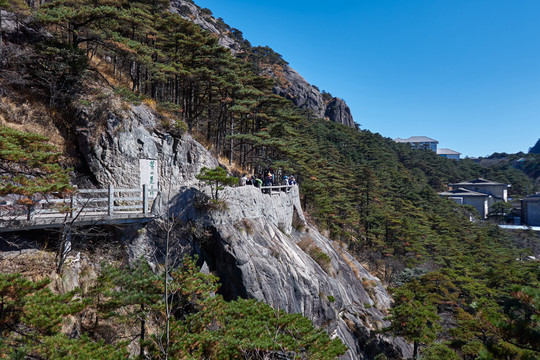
(290, 84)
(192, 12)
(295, 88)
(112, 151)
(257, 253)
(260, 246)
(338, 110)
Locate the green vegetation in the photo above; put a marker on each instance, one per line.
(216, 178)
(131, 300)
(31, 319)
(414, 315)
(309, 247)
(29, 164)
(377, 196)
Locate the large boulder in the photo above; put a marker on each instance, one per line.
(260, 246)
(338, 111)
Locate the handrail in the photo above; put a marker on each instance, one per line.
(276, 189)
(97, 201)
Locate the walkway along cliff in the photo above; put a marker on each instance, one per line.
(260, 247)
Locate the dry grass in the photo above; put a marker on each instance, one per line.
(245, 225)
(235, 169)
(309, 247)
(31, 116)
(107, 70)
(34, 264)
(217, 205)
(280, 76)
(340, 248)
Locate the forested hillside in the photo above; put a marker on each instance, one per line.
(461, 293)
(528, 163)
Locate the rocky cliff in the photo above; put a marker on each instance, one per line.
(289, 83)
(261, 247)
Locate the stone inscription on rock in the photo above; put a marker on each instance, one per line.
(149, 176)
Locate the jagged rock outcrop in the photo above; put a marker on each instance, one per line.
(253, 246)
(337, 109)
(295, 88)
(290, 84)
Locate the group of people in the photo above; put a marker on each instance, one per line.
(267, 179)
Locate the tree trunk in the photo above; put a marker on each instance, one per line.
(232, 141)
(0, 30)
(143, 332)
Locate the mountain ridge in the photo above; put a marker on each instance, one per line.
(288, 82)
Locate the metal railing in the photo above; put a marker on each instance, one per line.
(276, 189)
(109, 201)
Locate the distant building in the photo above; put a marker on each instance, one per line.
(420, 142)
(530, 210)
(480, 201)
(498, 190)
(448, 153)
(480, 193)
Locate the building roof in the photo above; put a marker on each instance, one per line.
(532, 198)
(463, 192)
(416, 139)
(479, 182)
(443, 151)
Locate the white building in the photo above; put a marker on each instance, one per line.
(448, 153)
(420, 142)
(498, 190)
(480, 201)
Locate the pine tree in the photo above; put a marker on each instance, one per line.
(216, 178)
(29, 164)
(414, 315)
(129, 295)
(206, 326)
(31, 317)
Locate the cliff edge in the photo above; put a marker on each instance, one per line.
(261, 246)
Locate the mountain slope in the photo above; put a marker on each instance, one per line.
(288, 83)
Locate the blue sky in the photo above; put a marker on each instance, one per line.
(464, 72)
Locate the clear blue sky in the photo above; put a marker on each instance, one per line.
(464, 72)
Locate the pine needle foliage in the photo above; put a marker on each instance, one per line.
(216, 178)
(203, 324)
(29, 164)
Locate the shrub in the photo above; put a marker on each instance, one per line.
(216, 178)
(217, 205)
(308, 246)
(246, 225)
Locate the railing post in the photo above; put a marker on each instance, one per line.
(110, 208)
(72, 202)
(31, 212)
(145, 199)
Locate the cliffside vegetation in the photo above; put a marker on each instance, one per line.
(29, 164)
(126, 308)
(377, 196)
